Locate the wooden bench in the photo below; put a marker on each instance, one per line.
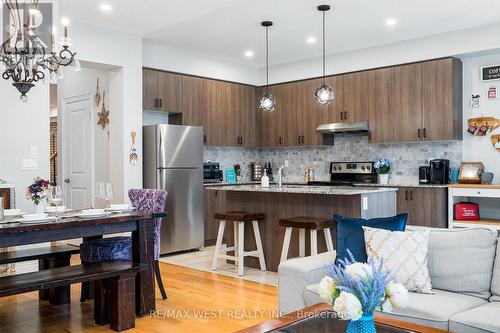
(116, 306)
(48, 257)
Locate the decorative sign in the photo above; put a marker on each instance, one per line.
(492, 92)
(495, 140)
(490, 73)
(475, 101)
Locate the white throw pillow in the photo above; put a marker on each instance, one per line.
(404, 255)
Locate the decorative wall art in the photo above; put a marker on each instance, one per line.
(475, 101)
(490, 73)
(104, 114)
(97, 96)
(495, 140)
(492, 92)
(133, 157)
(482, 125)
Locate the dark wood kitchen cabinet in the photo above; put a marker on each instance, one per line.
(381, 105)
(426, 206)
(239, 108)
(194, 101)
(270, 124)
(215, 201)
(355, 97)
(408, 102)
(161, 91)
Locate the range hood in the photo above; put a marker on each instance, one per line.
(333, 128)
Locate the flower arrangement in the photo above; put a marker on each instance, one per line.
(382, 166)
(237, 170)
(39, 190)
(356, 290)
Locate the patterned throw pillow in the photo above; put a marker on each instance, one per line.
(404, 254)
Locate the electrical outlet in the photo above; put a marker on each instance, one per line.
(286, 163)
(365, 203)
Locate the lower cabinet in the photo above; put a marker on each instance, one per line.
(5, 194)
(215, 201)
(426, 206)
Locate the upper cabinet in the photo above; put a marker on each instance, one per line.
(161, 91)
(413, 102)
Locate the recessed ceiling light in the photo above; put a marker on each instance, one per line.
(311, 40)
(106, 7)
(391, 22)
(249, 54)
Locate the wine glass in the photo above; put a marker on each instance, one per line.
(56, 198)
(100, 191)
(108, 193)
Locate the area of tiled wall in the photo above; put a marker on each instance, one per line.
(406, 157)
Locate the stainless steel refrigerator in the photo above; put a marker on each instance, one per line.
(173, 161)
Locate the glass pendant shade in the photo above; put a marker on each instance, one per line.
(76, 65)
(267, 102)
(324, 94)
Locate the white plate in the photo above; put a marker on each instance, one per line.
(44, 220)
(91, 216)
(92, 211)
(13, 212)
(35, 217)
(60, 209)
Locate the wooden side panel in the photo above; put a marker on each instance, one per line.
(382, 118)
(408, 102)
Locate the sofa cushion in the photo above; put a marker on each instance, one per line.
(404, 254)
(349, 233)
(495, 280)
(432, 310)
(462, 260)
(482, 319)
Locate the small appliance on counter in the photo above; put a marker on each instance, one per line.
(439, 170)
(212, 173)
(466, 211)
(424, 174)
(348, 174)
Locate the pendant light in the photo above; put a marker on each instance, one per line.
(324, 94)
(267, 102)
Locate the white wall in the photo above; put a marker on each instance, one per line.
(480, 148)
(81, 83)
(22, 126)
(170, 58)
(443, 45)
(123, 51)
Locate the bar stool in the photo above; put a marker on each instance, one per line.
(305, 223)
(239, 219)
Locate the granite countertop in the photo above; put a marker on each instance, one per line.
(302, 189)
(402, 184)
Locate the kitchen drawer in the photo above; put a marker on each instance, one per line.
(475, 192)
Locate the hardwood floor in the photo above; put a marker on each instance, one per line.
(198, 302)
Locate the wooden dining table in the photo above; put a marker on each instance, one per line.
(13, 233)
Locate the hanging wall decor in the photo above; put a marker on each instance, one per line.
(482, 125)
(133, 157)
(475, 101)
(495, 140)
(492, 92)
(97, 94)
(104, 114)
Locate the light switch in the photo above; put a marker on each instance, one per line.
(29, 164)
(33, 152)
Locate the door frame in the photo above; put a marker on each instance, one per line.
(63, 143)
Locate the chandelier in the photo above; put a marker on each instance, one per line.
(25, 58)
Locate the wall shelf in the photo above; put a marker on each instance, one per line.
(488, 196)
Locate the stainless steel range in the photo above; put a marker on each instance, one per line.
(349, 173)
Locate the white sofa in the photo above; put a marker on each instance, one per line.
(464, 266)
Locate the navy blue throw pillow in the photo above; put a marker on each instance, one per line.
(350, 233)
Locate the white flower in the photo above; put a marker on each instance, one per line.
(359, 271)
(397, 295)
(347, 306)
(387, 306)
(328, 289)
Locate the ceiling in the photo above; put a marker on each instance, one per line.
(225, 29)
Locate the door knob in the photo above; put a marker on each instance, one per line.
(67, 180)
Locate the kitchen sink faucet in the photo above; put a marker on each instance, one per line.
(280, 174)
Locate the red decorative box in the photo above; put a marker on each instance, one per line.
(466, 211)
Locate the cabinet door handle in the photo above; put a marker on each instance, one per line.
(204, 138)
(341, 115)
(345, 115)
(155, 104)
(161, 102)
(425, 132)
(303, 140)
(280, 140)
(406, 195)
(419, 133)
(411, 195)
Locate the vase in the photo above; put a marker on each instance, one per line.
(364, 324)
(38, 208)
(383, 179)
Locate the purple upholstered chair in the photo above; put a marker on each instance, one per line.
(120, 248)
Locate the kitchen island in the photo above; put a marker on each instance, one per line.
(297, 200)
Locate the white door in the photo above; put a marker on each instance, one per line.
(78, 143)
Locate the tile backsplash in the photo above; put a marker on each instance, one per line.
(406, 157)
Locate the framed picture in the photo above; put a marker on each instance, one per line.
(490, 73)
(470, 172)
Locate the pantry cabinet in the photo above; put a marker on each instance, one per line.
(426, 206)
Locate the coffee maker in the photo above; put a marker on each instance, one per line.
(439, 171)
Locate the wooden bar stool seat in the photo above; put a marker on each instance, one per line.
(239, 219)
(302, 224)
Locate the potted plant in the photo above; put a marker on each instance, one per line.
(383, 167)
(356, 290)
(38, 192)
